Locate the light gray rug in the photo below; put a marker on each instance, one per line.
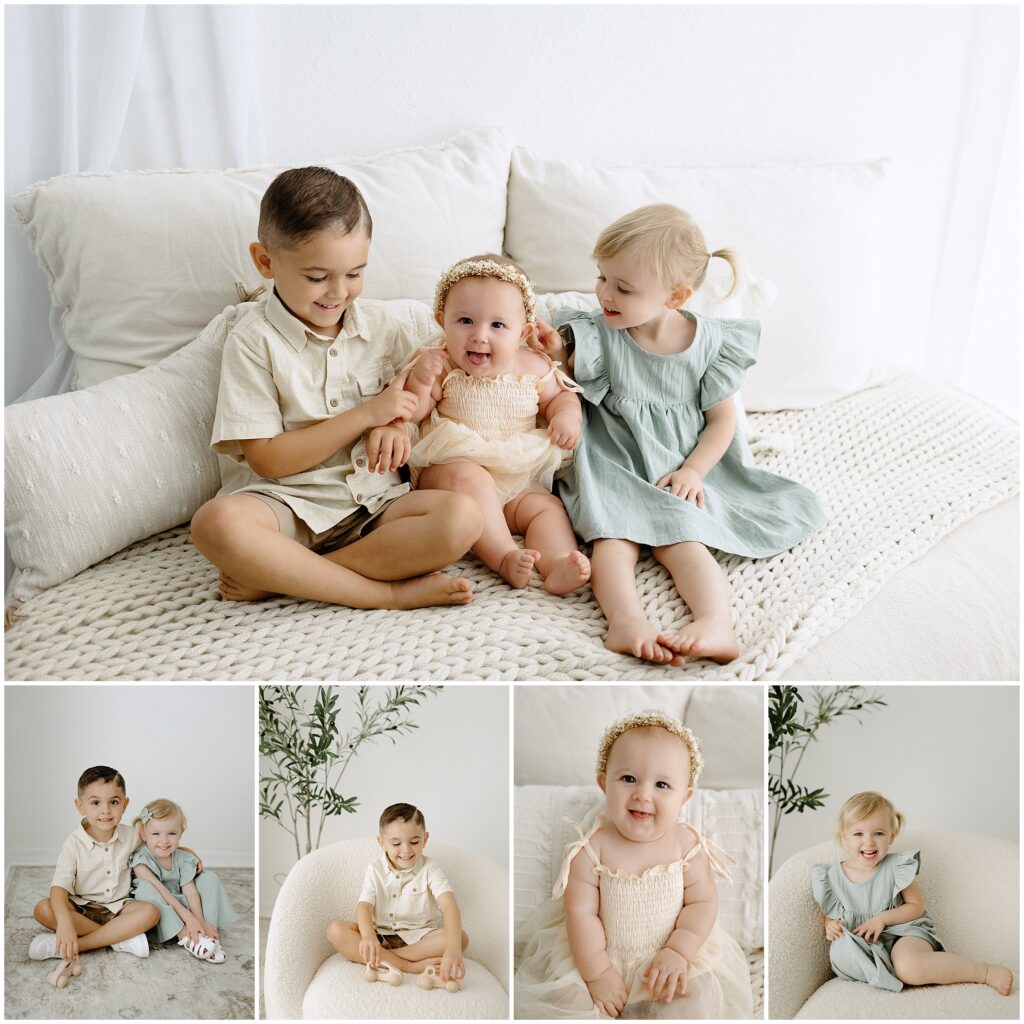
(168, 985)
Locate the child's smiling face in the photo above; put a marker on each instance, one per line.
(162, 836)
(484, 321)
(319, 278)
(867, 841)
(631, 296)
(646, 783)
(403, 842)
(102, 804)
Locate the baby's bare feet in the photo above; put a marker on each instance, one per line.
(437, 588)
(639, 638)
(712, 638)
(517, 567)
(230, 590)
(568, 575)
(1000, 978)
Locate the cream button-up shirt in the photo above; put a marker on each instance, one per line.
(277, 375)
(95, 872)
(404, 902)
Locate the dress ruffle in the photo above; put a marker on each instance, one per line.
(737, 353)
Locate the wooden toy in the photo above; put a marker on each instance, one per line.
(385, 972)
(431, 978)
(64, 972)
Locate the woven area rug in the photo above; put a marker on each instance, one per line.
(897, 467)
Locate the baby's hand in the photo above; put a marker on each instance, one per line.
(543, 338)
(393, 404)
(686, 483)
(871, 928)
(833, 929)
(564, 429)
(369, 950)
(428, 368)
(452, 966)
(666, 977)
(388, 447)
(608, 992)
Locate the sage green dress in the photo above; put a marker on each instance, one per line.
(853, 957)
(643, 414)
(217, 908)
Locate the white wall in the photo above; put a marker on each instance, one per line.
(192, 744)
(947, 757)
(454, 767)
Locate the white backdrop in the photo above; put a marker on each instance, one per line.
(453, 767)
(932, 87)
(947, 757)
(192, 744)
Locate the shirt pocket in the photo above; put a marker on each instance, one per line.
(414, 901)
(374, 377)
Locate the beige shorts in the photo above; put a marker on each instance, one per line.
(349, 530)
(99, 912)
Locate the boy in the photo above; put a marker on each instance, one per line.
(309, 438)
(88, 906)
(405, 895)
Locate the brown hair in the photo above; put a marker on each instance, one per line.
(401, 812)
(100, 773)
(305, 200)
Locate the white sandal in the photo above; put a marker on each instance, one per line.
(206, 948)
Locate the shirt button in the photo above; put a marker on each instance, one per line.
(334, 351)
(360, 463)
(359, 497)
(334, 402)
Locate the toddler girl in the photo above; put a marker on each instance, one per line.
(635, 932)
(484, 389)
(660, 461)
(874, 912)
(192, 906)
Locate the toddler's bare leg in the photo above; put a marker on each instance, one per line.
(917, 963)
(430, 947)
(495, 546)
(238, 533)
(541, 519)
(133, 920)
(703, 586)
(614, 586)
(344, 937)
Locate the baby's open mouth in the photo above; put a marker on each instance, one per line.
(478, 358)
(641, 815)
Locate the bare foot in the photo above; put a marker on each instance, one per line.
(437, 588)
(639, 638)
(568, 575)
(704, 638)
(999, 978)
(233, 591)
(419, 966)
(517, 567)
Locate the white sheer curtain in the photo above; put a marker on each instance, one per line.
(102, 88)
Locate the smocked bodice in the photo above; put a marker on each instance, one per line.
(495, 407)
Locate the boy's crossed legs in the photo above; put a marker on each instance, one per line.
(411, 959)
(135, 918)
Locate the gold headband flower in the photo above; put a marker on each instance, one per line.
(486, 268)
(646, 719)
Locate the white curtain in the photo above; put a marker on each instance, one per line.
(106, 88)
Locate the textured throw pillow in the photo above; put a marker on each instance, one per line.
(732, 819)
(813, 230)
(139, 261)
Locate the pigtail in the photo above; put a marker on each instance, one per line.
(897, 821)
(732, 258)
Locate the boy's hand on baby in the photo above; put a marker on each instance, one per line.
(388, 447)
(608, 992)
(666, 977)
(564, 429)
(833, 929)
(392, 405)
(369, 950)
(543, 338)
(871, 928)
(686, 483)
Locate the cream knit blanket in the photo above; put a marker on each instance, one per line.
(897, 467)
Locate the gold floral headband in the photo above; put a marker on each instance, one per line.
(486, 268)
(646, 719)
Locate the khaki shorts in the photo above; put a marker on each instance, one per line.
(349, 530)
(99, 912)
(391, 941)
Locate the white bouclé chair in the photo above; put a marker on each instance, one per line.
(970, 887)
(305, 979)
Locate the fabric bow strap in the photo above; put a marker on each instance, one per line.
(570, 853)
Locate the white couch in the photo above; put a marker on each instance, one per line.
(99, 481)
(970, 887)
(303, 978)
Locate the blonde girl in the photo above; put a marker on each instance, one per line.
(192, 906)
(874, 914)
(660, 462)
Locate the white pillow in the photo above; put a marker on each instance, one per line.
(733, 819)
(139, 261)
(814, 230)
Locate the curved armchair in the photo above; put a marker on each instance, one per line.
(304, 977)
(970, 886)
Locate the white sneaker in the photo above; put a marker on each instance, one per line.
(137, 944)
(44, 946)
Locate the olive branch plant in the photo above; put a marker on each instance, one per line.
(792, 726)
(306, 750)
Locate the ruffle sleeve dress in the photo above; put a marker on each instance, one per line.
(643, 415)
(852, 957)
(492, 421)
(639, 914)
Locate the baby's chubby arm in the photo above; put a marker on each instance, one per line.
(687, 482)
(452, 965)
(587, 940)
(424, 381)
(913, 907)
(561, 408)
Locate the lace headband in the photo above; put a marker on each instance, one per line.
(486, 268)
(646, 719)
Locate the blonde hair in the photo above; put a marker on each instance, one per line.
(863, 805)
(488, 265)
(667, 243)
(652, 719)
(159, 810)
